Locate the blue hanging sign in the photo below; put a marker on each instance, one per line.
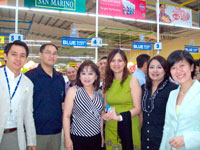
(74, 42)
(142, 45)
(192, 49)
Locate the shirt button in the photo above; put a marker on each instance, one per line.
(147, 139)
(148, 122)
(147, 131)
(148, 115)
(148, 106)
(147, 147)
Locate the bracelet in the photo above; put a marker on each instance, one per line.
(121, 118)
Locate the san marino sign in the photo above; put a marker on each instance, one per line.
(64, 5)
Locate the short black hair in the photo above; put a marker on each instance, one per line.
(18, 43)
(141, 59)
(104, 57)
(44, 45)
(162, 4)
(179, 55)
(94, 68)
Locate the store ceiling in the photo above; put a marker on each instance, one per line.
(116, 33)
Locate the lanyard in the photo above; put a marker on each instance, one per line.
(11, 96)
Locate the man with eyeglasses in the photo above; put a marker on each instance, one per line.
(49, 93)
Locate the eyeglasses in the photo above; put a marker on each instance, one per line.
(47, 52)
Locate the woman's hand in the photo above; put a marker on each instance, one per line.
(69, 144)
(110, 115)
(177, 142)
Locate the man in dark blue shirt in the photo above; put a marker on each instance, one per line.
(49, 93)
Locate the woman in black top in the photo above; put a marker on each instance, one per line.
(154, 98)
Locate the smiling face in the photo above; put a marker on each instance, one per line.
(71, 74)
(181, 71)
(87, 76)
(162, 9)
(49, 55)
(156, 71)
(117, 64)
(16, 58)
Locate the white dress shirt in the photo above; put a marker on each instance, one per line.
(12, 117)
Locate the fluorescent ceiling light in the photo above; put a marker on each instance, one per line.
(125, 49)
(13, 7)
(92, 15)
(166, 24)
(197, 28)
(146, 21)
(73, 13)
(64, 57)
(102, 44)
(37, 41)
(45, 10)
(34, 45)
(84, 47)
(42, 41)
(104, 16)
(9, 7)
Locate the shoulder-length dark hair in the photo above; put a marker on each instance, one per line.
(88, 63)
(163, 63)
(109, 74)
(179, 55)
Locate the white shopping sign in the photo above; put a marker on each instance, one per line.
(158, 46)
(15, 36)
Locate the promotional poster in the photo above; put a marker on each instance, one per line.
(175, 15)
(135, 9)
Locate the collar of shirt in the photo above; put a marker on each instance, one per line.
(11, 75)
(43, 73)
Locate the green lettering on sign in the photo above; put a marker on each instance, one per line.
(64, 5)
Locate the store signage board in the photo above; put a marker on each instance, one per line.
(3, 2)
(158, 46)
(63, 5)
(2, 39)
(96, 42)
(1, 53)
(134, 9)
(192, 49)
(175, 15)
(142, 45)
(15, 36)
(74, 42)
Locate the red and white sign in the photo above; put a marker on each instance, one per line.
(3, 2)
(175, 15)
(135, 9)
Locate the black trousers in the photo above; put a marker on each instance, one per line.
(86, 143)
